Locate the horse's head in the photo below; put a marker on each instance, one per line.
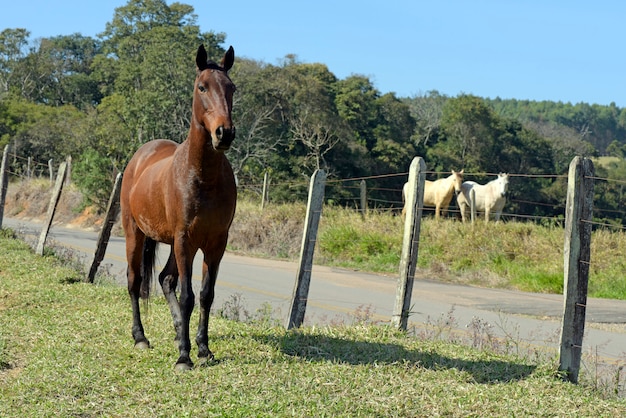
(458, 181)
(213, 98)
(503, 184)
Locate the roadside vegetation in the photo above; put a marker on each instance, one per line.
(66, 350)
(510, 255)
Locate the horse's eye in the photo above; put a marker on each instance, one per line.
(201, 88)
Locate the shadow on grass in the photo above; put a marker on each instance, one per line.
(322, 348)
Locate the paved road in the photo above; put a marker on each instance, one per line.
(338, 295)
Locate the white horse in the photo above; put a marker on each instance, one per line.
(438, 193)
(490, 197)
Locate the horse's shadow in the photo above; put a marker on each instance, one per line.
(322, 348)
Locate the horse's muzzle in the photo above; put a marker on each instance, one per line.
(224, 137)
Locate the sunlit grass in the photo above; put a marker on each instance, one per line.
(66, 350)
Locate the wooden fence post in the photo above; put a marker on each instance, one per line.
(113, 208)
(363, 187)
(4, 181)
(54, 200)
(51, 170)
(303, 278)
(264, 195)
(410, 243)
(68, 172)
(578, 214)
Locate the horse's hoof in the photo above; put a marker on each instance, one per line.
(183, 367)
(207, 361)
(142, 345)
(204, 352)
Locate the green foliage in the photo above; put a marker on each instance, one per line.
(40, 131)
(133, 83)
(367, 243)
(94, 176)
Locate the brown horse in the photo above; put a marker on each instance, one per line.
(183, 195)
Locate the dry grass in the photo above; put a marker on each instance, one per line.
(513, 255)
(275, 232)
(29, 199)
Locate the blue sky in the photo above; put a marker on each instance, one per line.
(569, 51)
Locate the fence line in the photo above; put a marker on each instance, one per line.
(378, 203)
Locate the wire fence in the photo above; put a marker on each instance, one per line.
(384, 192)
(28, 167)
(524, 202)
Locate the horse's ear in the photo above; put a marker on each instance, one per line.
(201, 58)
(228, 59)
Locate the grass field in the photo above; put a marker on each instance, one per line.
(66, 350)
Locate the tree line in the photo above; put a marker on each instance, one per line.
(98, 99)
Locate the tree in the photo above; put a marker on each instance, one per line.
(67, 76)
(394, 148)
(356, 103)
(39, 131)
(468, 129)
(13, 52)
(148, 54)
(258, 139)
(313, 119)
(427, 110)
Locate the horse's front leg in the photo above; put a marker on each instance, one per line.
(184, 259)
(463, 215)
(207, 295)
(437, 209)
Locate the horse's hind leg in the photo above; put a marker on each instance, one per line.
(134, 254)
(169, 279)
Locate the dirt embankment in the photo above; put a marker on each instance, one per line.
(29, 200)
(273, 233)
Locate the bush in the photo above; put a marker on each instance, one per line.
(94, 175)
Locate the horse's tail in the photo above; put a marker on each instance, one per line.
(147, 266)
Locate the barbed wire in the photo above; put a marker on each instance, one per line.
(33, 161)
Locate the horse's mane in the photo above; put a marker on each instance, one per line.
(212, 65)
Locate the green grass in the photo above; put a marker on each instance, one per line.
(66, 350)
(513, 255)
